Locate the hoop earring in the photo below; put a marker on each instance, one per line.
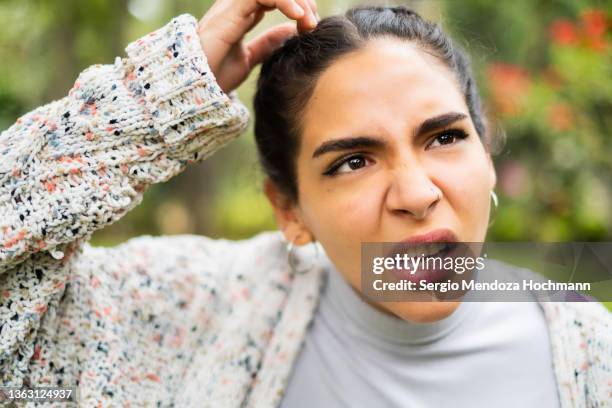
(291, 258)
(495, 205)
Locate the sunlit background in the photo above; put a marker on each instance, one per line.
(544, 68)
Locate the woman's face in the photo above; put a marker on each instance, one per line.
(387, 188)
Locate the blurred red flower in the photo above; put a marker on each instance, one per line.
(594, 25)
(594, 22)
(564, 32)
(509, 85)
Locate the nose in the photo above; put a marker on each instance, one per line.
(412, 192)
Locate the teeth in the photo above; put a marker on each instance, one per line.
(427, 249)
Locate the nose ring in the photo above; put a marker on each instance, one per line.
(438, 195)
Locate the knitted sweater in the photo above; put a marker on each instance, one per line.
(168, 321)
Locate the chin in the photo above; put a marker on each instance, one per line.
(422, 312)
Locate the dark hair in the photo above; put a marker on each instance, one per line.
(288, 77)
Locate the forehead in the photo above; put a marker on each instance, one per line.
(389, 84)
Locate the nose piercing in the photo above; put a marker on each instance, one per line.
(438, 196)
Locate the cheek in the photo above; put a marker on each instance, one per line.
(466, 186)
(341, 217)
(466, 179)
(346, 211)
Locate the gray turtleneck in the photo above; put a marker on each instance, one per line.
(484, 354)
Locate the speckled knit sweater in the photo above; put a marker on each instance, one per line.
(168, 321)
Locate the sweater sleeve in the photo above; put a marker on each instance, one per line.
(75, 165)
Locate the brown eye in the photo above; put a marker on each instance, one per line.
(351, 163)
(356, 162)
(448, 137)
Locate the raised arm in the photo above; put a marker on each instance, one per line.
(75, 165)
(80, 163)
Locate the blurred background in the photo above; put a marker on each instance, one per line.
(543, 66)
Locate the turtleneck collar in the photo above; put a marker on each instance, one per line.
(360, 316)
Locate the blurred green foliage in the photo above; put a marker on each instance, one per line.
(543, 68)
(546, 72)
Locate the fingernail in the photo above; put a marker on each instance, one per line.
(313, 18)
(298, 10)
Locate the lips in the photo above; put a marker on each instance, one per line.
(439, 243)
(423, 242)
(439, 235)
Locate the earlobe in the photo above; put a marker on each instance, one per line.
(294, 232)
(286, 218)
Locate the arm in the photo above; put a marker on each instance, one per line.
(78, 164)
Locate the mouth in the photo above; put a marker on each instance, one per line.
(438, 235)
(438, 244)
(434, 249)
(429, 244)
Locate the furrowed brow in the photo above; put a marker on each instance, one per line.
(346, 144)
(438, 122)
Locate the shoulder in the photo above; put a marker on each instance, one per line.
(590, 320)
(167, 259)
(148, 280)
(585, 325)
(581, 336)
(581, 343)
(180, 246)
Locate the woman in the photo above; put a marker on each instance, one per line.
(192, 321)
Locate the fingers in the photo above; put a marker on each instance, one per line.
(264, 44)
(313, 7)
(300, 10)
(256, 17)
(228, 21)
(309, 21)
(290, 8)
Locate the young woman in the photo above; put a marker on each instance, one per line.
(370, 129)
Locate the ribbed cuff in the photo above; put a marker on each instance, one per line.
(169, 71)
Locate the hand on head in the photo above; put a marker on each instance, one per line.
(223, 27)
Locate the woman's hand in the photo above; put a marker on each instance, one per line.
(224, 25)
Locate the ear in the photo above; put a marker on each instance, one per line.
(287, 215)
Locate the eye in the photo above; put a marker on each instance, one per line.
(347, 165)
(448, 137)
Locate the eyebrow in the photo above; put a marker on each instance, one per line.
(347, 143)
(440, 121)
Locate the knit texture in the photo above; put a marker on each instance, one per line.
(168, 321)
(80, 163)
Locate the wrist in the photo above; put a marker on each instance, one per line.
(208, 44)
(170, 72)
